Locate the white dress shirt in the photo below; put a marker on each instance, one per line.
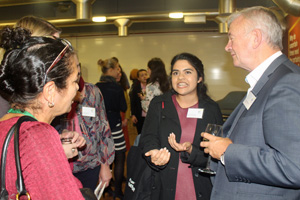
(255, 74)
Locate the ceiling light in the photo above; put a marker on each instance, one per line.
(176, 15)
(194, 19)
(99, 19)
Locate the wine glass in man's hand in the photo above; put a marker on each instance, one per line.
(215, 130)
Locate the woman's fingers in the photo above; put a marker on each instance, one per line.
(162, 157)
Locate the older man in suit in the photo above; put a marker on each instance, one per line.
(260, 156)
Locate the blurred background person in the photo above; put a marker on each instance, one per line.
(124, 78)
(28, 80)
(115, 103)
(38, 26)
(88, 112)
(138, 87)
(158, 82)
(133, 75)
(171, 134)
(123, 81)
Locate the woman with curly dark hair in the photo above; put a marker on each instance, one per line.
(37, 27)
(38, 76)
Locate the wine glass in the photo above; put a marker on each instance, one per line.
(67, 125)
(215, 130)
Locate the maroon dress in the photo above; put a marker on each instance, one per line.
(185, 182)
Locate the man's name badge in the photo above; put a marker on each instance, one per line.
(88, 112)
(249, 100)
(195, 113)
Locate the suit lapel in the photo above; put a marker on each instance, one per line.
(233, 118)
(266, 75)
(240, 109)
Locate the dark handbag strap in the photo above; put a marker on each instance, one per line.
(4, 192)
(20, 182)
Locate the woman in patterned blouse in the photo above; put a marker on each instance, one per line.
(93, 162)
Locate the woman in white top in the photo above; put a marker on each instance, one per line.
(158, 82)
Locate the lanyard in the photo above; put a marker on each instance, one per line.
(20, 112)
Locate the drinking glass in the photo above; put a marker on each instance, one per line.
(67, 125)
(215, 130)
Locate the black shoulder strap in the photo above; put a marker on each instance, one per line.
(4, 192)
(20, 182)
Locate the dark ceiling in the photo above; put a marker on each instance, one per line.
(12, 10)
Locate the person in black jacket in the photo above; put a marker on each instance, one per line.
(138, 87)
(171, 134)
(115, 103)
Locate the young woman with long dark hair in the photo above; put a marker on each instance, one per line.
(171, 133)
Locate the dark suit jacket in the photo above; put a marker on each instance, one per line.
(161, 120)
(263, 162)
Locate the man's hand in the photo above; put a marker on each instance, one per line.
(215, 146)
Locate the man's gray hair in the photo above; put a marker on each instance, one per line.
(264, 19)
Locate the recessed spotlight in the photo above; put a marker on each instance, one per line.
(176, 15)
(99, 19)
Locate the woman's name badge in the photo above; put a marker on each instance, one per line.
(88, 112)
(195, 113)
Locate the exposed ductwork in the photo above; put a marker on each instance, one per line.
(5, 3)
(226, 7)
(291, 7)
(122, 25)
(134, 18)
(84, 15)
(123, 22)
(84, 9)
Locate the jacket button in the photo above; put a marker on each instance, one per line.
(196, 175)
(199, 194)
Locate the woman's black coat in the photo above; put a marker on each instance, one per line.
(162, 119)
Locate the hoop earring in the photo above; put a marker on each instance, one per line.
(51, 105)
